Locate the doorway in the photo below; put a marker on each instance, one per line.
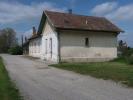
(51, 47)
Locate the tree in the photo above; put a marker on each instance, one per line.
(7, 39)
(123, 48)
(16, 50)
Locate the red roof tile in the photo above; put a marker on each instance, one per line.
(72, 21)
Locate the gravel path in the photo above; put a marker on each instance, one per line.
(37, 81)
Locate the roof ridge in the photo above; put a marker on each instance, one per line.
(73, 14)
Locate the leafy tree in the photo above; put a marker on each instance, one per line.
(123, 48)
(7, 39)
(126, 52)
(16, 50)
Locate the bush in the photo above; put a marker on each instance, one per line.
(126, 55)
(120, 59)
(130, 60)
(130, 51)
(17, 50)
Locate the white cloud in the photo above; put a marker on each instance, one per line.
(127, 37)
(11, 12)
(122, 13)
(104, 8)
(112, 11)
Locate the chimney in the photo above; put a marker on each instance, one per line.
(70, 11)
(34, 31)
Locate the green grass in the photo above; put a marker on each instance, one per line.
(120, 59)
(8, 90)
(115, 70)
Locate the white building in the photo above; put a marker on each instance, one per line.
(74, 38)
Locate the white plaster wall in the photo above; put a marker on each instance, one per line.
(35, 47)
(101, 45)
(48, 33)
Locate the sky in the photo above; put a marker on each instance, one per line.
(22, 15)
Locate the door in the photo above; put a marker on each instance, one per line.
(51, 48)
(46, 50)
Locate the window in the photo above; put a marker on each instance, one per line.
(31, 47)
(86, 42)
(38, 47)
(35, 47)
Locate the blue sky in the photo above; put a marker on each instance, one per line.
(21, 15)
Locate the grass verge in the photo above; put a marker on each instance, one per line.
(114, 70)
(8, 90)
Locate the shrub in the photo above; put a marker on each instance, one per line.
(16, 50)
(130, 51)
(121, 59)
(129, 60)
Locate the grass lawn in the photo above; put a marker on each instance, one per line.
(116, 70)
(7, 88)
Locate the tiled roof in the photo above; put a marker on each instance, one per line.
(34, 36)
(80, 22)
(76, 22)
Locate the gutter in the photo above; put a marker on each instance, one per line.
(117, 31)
